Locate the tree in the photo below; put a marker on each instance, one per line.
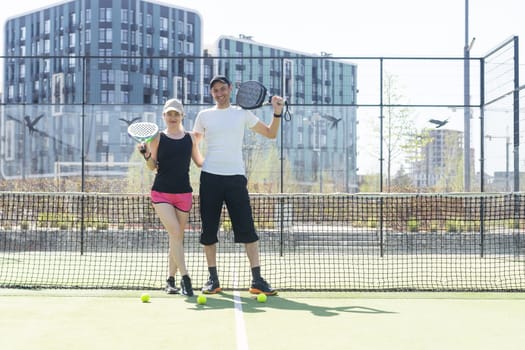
(402, 181)
(451, 177)
(398, 126)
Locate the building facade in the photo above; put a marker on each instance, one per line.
(319, 141)
(439, 163)
(78, 72)
(103, 51)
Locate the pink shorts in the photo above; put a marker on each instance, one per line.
(181, 201)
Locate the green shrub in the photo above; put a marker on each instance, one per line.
(59, 220)
(412, 225)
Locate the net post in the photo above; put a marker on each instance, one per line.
(482, 225)
(82, 221)
(381, 238)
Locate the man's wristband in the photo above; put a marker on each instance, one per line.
(277, 115)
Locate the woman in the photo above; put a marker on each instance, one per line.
(171, 194)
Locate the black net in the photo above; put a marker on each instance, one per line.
(307, 242)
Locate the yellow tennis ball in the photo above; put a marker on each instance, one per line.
(261, 298)
(145, 298)
(201, 299)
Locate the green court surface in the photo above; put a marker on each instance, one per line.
(100, 319)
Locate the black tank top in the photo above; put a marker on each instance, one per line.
(173, 167)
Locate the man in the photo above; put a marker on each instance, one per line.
(223, 178)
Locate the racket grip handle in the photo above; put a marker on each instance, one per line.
(142, 148)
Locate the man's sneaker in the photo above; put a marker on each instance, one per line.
(212, 286)
(185, 286)
(170, 286)
(261, 286)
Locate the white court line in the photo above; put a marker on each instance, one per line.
(240, 327)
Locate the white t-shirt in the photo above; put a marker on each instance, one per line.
(223, 130)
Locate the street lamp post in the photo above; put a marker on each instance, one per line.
(466, 101)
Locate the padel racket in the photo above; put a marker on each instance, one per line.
(143, 132)
(251, 95)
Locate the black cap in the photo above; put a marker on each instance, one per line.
(219, 78)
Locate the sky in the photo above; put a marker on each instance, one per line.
(355, 28)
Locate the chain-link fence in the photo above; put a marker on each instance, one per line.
(359, 124)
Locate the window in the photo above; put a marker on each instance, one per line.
(155, 82)
(105, 14)
(124, 36)
(22, 33)
(124, 16)
(135, 59)
(189, 48)
(46, 65)
(107, 96)
(163, 23)
(188, 67)
(239, 59)
(147, 81)
(125, 57)
(107, 76)
(72, 37)
(71, 61)
(163, 43)
(148, 63)
(105, 35)
(106, 53)
(47, 26)
(125, 77)
(163, 84)
(163, 64)
(207, 71)
(88, 16)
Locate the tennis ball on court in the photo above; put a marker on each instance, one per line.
(201, 299)
(261, 298)
(145, 298)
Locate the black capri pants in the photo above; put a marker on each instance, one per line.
(214, 190)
